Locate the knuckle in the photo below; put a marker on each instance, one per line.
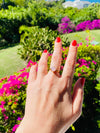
(65, 81)
(42, 63)
(48, 81)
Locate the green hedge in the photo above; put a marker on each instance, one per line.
(13, 17)
(80, 15)
(49, 15)
(34, 40)
(10, 21)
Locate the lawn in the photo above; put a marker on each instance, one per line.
(10, 61)
(81, 36)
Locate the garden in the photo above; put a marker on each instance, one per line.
(25, 31)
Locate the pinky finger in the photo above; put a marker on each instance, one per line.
(33, 73)
(77, 97)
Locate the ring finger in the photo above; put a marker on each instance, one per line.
(56, 57)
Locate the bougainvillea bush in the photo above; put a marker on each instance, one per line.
(90, 25)
(13, 91)
(66, 26)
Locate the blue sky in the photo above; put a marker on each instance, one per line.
(87, 0)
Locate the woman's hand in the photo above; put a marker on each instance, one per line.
(50, 106)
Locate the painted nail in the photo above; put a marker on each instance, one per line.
(45, 51)
(34, 63)
(74, 43)
(58, 39)
(82, 81)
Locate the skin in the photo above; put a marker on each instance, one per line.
(50, 106)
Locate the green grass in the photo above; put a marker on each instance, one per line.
(10, 61)
(93, 33)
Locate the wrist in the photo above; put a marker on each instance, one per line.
(20, 128)
(27, 127)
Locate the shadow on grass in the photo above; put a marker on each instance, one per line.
(5, 45)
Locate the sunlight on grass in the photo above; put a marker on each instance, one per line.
(10, 61)
(81, 36)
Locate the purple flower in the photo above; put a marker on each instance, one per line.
(83, 62)
(66, 26)
(19, 118)
(95, 24)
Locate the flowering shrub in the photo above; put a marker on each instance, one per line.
(95, 24)
(12, 99)
(66, 26)
(13, 89)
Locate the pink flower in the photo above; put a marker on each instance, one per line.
(3, 110)
(2, 106)
(87, 39)
(94, 62)
(80, 43)
(13, 111)
(61, 68)
(65, 58)
(30, 63)
(82, 70)
(23, 70)
(10, 100)
(6, 117)
(15, 127)
(19, 118)
(63, 49)
(16, 100)
(0, 81)
(79, 74)
(3, 102)
(50, 54)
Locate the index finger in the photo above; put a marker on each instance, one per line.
(68, 70)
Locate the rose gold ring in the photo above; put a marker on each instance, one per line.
(53, 69)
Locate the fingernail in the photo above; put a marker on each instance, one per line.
(58, 39)
(45, 51)
(74, 43)
(82, 81)
(34, 63)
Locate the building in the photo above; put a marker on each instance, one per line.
(77, 3)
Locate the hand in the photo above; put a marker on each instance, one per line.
(50, 107)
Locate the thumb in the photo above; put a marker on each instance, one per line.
(77, 97)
